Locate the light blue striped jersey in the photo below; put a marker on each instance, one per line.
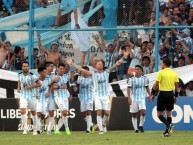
(109, 58)
(85, 88)
(62, 93)
(138, 88)
(101, 83)
(49, 78)
(42, 90)
(25, 80)
(136, 60)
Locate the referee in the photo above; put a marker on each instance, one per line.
(166, 79)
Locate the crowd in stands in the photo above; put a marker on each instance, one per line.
(175, 43)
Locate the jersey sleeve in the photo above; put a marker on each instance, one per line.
(129, 84)
(78, 80)
(35, 78)
(158, 77)
(146, 81)
(19, 77)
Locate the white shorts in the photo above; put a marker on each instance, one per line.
(85, 106)
(102, 103)
(42, 107)
(136, 106)
(51, 105)
(27, 103)
(62, 104)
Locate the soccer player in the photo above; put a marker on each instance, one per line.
(42, 95)
(166, 80)
(101, 81)
(63, 6)
(62, 95)
(86, 98)
(51, 102)
(27, 81)
(138, 87)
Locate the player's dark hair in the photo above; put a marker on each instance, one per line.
(24, 62)
(61, 64)
(139, 66)
(41, 69)
(86, 68)
(47, 64)
(166, 61)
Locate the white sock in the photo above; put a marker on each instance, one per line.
(24, 121)
(105, 119)
(60, 123)
(88, 122)
(65, 121)
(142, 120)
(99, 122)
(34, 118)
(134, 121)
(51, 121)
(38, 124)
(90, 118)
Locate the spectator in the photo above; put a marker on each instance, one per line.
(152, 19)
(36, 58)
(147, 65)
(123, 67)
(18, 57)
(177, 51)
(165, 17)
(20, 6)
(185, 35)
(181, 8)
(181, 61)
(138, 55)
(52, 55)
(4, 51)
(125, 6)
(190, 16)
(179, 20)
(188, 91)
(8, 64)
(63, 6)
(41, 3)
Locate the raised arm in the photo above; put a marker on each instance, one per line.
(82, 60)
(69, 61)
(102, 43)
(118, 44)
(126, 53)
(92, 60)
(40, 44)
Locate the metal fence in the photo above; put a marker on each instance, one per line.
(159, 25)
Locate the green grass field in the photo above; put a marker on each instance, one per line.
(110, 138)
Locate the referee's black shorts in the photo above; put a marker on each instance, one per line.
(165, 101)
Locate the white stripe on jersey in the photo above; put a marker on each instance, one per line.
(85, 88)
(42, 90)
(62, 93)
(101, 83)
(49, 78)
(25, 80)
(138, 88)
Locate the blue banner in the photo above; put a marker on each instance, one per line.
(182, 115)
